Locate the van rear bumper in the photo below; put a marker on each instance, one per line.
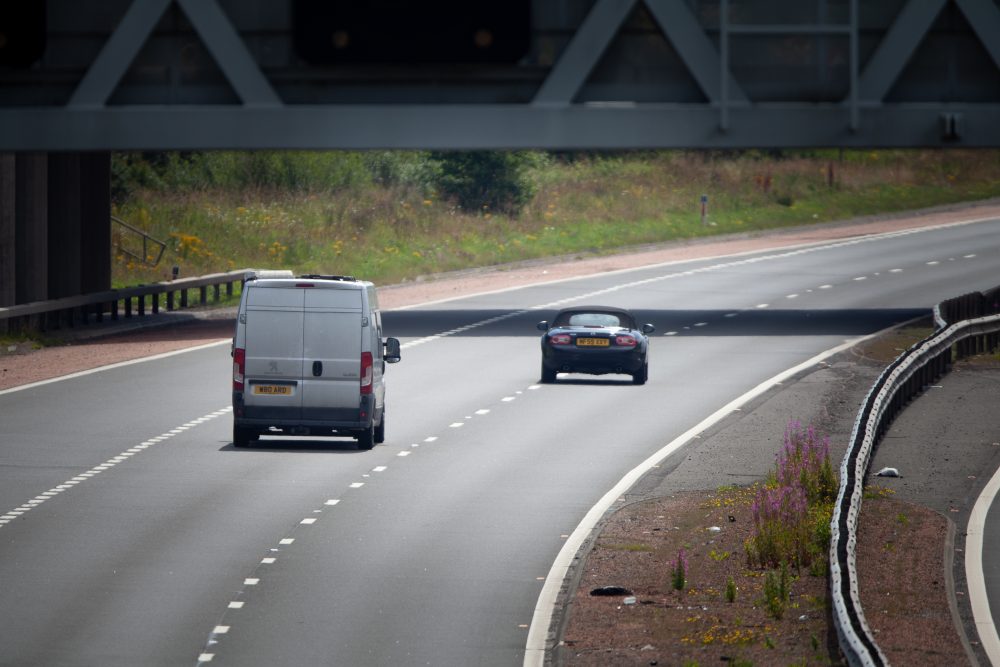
(316, 421)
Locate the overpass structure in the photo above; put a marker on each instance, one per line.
(81, 78)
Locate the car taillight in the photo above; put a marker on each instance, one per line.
(239, 367)
(367, 372)
(560, 339)
(625, 341)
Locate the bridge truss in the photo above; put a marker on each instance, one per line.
(577, 74)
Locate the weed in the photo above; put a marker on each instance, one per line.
(777, 590)
(730, 590)
(628, 547)
(792, 510)
(875, 491)
(678, 571)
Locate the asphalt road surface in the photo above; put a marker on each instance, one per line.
(134, 533)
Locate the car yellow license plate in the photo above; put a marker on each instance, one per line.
(272, 390)
(593, 342)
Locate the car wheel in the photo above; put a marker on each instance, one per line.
(642, 375)
(243, 436)
(366, 439)
(380, 430)
(548, 375)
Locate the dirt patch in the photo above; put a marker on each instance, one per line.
(902, 578)
(903, 583)
(25, 365)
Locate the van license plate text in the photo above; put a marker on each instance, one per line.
(593, 342)
(272, 389)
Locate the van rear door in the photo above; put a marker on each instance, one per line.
(331, 358)
(274, 321)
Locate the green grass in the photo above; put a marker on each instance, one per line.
(582, 206)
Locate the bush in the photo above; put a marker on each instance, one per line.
(316, 171)
(487, 180)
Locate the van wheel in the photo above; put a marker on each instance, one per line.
(243, 436)
(366, 439)
(380, 430)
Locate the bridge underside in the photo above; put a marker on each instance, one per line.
(573, 74)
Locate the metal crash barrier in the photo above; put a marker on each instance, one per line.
(116, 303)
(967, 325)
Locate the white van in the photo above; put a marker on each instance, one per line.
(309, 359)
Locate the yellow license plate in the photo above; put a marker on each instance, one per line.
(272, 390)
(593, 342)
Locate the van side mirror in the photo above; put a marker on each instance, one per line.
(542, 326)
(648, 328)
(391, 351)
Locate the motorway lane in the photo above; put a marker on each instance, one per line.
(436, 558)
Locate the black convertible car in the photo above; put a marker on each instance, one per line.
(595, 340)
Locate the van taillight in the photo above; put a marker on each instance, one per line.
(239, 366)
(367, 372)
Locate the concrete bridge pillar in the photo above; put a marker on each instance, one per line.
(65, 232)
(7, 218)
(95, 222)
(55, 225)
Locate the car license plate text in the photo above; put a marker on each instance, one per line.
(593, 342)
(272, 389)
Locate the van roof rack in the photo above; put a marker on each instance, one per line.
(316, 276)
(261, 274)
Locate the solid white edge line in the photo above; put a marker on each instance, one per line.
(979, 601)
(541, 620)
(109, 367)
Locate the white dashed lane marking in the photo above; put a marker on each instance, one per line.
(37, 501)
(255, 579)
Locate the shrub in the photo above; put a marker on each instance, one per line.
(486, 180)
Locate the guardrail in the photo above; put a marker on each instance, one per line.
(125, 302)
(118, 239)
(902, 380)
